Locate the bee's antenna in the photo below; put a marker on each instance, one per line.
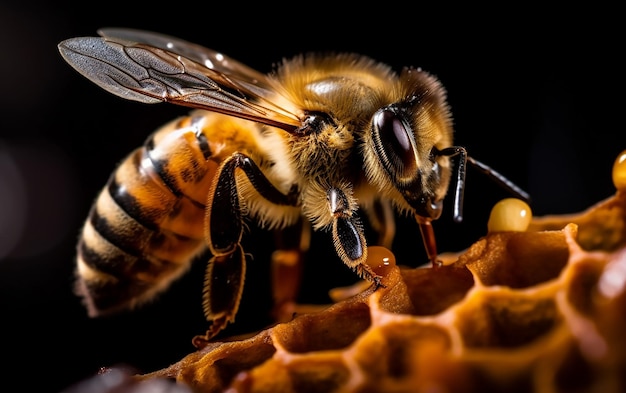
(459, 191)
(500, 179)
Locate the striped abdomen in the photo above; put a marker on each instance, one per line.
(148, 222)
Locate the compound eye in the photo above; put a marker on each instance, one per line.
(396, 142)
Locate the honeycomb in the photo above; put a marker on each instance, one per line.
(541, 310)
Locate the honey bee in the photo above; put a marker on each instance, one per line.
(318, 140)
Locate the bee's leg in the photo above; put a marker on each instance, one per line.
(287, 261)
(348, 235)
(225, 275)
(383, 222)
(223, 287)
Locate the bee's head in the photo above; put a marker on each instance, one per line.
(403, 151)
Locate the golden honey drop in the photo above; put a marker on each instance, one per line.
(510, 214)
(619, 172)
(380, 259)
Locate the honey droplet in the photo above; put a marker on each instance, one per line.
(619, 172)
(510, 214)
(380, 259)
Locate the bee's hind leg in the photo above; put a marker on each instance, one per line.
(223, 286)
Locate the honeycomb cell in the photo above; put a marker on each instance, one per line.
(432, 290)
(502, 318)
(601, 227)
(518, 259)
(339, 327)
(405, 352)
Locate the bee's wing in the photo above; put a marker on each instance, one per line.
(208, 57)
(152, 68)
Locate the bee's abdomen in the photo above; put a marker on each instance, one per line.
(147, 223)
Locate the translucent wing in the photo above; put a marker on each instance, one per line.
(152, 68)
(208, 57)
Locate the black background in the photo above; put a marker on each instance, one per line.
(538, 95)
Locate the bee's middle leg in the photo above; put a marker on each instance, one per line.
(287, 268)
(382, 219)
(348, 236)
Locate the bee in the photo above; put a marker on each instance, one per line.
(324, 139)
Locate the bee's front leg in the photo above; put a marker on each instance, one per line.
(348, 235)
(223, 285)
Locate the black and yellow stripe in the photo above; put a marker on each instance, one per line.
(144, 229)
